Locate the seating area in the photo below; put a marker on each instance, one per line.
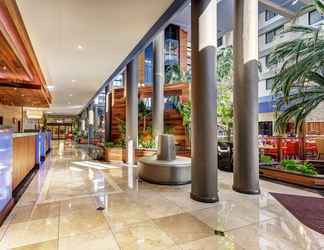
(279, 148)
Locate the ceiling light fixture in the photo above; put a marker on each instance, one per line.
(74, 80)
(80, 47)
(70, 95)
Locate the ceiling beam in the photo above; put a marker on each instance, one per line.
(277, 8)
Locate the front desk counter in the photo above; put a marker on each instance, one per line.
(20, 154)
(24, 156)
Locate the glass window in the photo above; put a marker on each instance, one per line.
(148, 65)
(171, 45)
(270, 35)
(269, 83)
(269, 15)
(265, 128)
(219, 41)
(314, 17)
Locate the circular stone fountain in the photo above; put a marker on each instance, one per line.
(165, 167)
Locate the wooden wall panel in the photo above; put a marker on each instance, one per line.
(23, 158)
(172, 118)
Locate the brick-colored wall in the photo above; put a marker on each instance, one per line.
(183, 37)
(11, 115)
(141, 67)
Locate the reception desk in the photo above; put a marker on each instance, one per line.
(24, 156)
(20, 154)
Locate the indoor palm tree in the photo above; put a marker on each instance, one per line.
(299, 84)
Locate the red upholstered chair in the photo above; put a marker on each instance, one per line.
(291, 150)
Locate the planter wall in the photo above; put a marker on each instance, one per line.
(292, 177)
(120, 154)
(114, 154)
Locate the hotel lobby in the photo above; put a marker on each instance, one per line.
(142, 125)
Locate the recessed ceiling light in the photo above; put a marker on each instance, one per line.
(80, 47)
(4, 67)
(74, 80)
(15, 88)
(50, 87)
(70, 95)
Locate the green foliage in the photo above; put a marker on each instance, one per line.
(225, 64)
(143, 110)
(168, 129)
(266, 159)
(147, 143)
(299, 85)
(185, 111)
(292, 165)
(122, 131)
(225, 107)
(174, 74)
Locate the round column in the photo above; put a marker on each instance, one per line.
(203, 93)
(158, 86)
(131, 108)
(246, 154)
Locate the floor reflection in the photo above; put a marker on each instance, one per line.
(75, 201)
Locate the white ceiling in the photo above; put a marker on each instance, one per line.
(79, 43)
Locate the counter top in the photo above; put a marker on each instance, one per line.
(15, 135)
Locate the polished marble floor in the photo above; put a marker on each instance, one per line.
(77, 203)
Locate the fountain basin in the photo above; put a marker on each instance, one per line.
(173, 172)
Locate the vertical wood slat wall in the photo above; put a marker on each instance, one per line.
(24, 158)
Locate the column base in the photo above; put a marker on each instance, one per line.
(243, 191)
(204, 199)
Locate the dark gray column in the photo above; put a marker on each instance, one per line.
(131, 107)
(108, 113)
(203, 94)
(246, 160)
(158, 85)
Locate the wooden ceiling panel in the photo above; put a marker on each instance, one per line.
(21, 80)
(23, 97)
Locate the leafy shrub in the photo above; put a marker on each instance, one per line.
(292, 165)
(265, 159)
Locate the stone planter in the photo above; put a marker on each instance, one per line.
(115, 154)
(120, 154)
(273, 171)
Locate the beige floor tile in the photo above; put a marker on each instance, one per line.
(119, 216)
(97, 240)
(47, 245)
(211, 243)
(156, 206)
(72, 205)
(143, 236)
(31, 232)
(43, 211)
(183, 200)
(20, 214)
(228, 215)
(82, 221)
(184, 227)
(272, 234)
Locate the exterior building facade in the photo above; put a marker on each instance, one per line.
(271, 26)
